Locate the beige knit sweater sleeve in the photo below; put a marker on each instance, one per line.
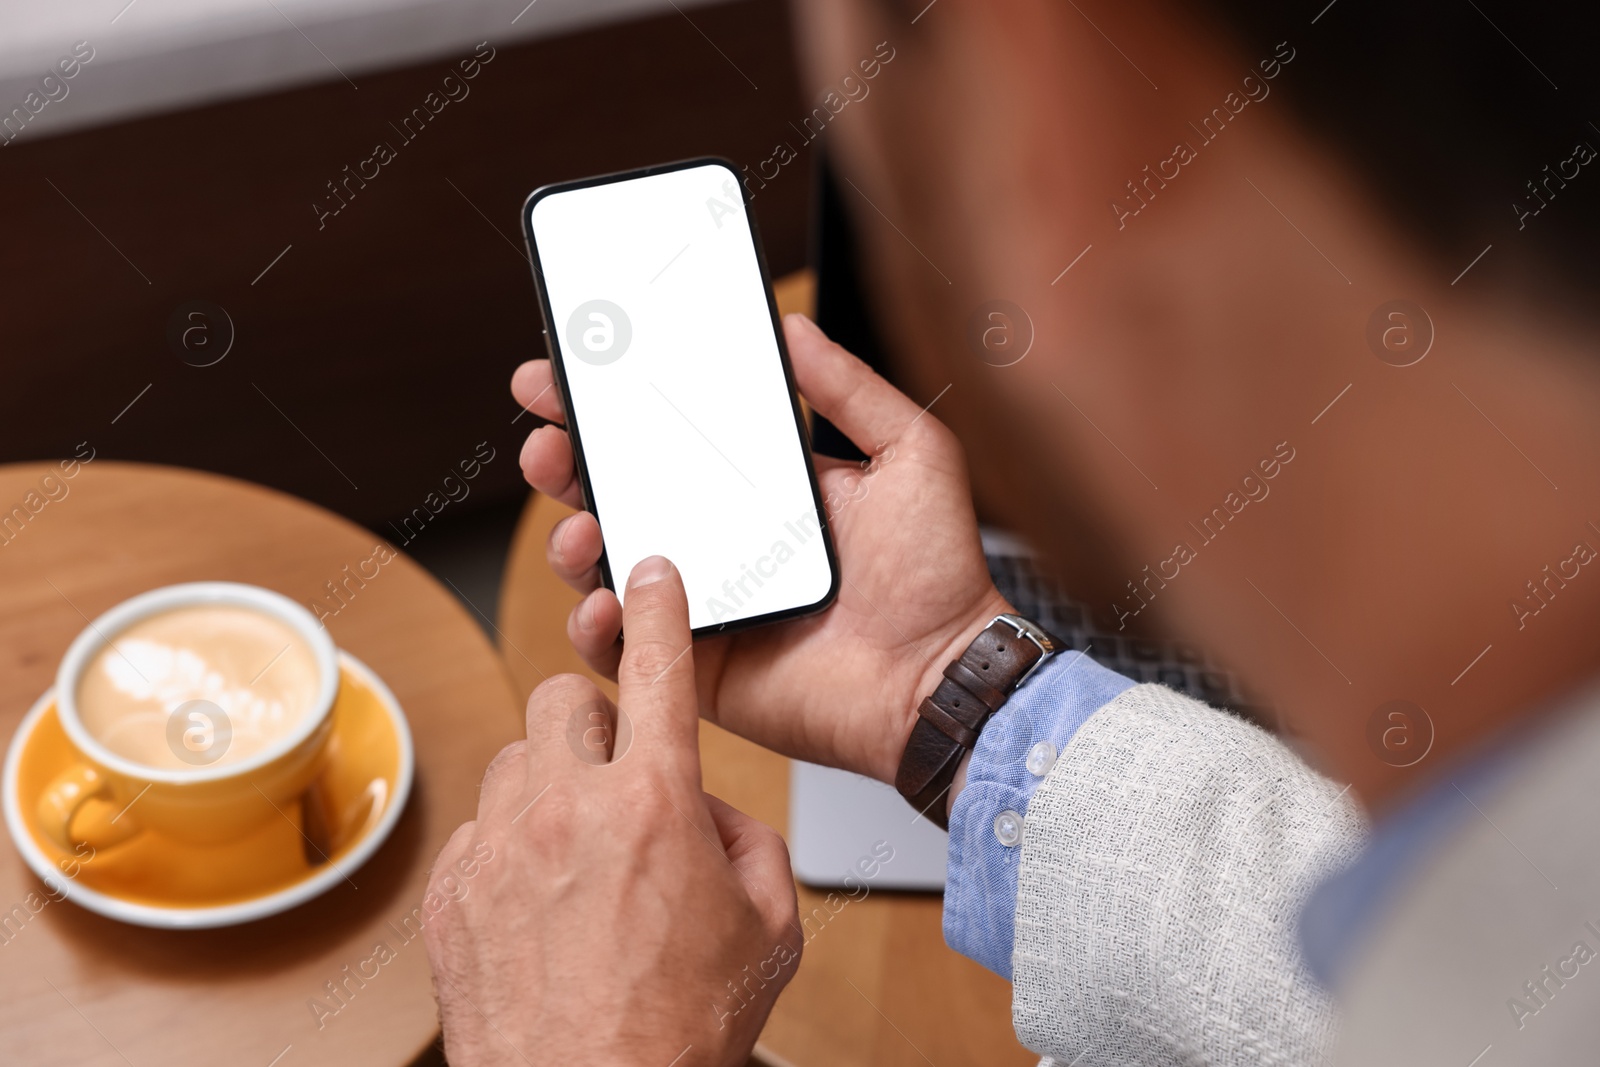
(1164, 863)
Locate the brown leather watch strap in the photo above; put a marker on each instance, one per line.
(973, 688)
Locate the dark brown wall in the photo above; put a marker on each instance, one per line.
(389, 335)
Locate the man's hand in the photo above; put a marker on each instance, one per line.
(611, 912)
(841, 687)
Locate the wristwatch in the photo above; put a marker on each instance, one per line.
(973, 688)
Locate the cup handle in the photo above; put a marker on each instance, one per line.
(66, 794)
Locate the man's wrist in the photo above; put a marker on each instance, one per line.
(936, 659)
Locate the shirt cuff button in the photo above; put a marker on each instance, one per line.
(1041, 758)
(1008, 828)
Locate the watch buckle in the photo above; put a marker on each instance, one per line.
(1031, 631)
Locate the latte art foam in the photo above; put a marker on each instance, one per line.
(255, 668)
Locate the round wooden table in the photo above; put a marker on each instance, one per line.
(76, 988)
(877, 986)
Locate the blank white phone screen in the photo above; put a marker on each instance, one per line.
(682, 409)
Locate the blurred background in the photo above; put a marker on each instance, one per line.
(198, 274)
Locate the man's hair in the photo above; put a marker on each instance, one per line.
(1466, 129)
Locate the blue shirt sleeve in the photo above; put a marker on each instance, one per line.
(1015, 751)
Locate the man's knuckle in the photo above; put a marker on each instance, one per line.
(554, 833)
(513, 755)
(560, 688)
(454, 848)
(555, 698)
(928, 434)
(456, 843)
(649, 657)
(778, 843)
(650, 803)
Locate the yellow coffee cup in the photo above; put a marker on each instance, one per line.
(201, 800)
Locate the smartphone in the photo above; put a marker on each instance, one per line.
(688, 434)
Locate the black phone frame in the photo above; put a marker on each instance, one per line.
(553, 348)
